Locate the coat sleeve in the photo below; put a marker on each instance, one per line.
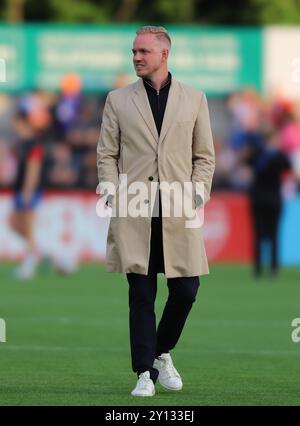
(108, 152)
(203, 152)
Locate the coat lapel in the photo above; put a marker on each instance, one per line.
(171, 110)
(141, 101)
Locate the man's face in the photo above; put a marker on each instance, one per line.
(147, 55)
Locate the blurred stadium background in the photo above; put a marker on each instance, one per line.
(67, 338)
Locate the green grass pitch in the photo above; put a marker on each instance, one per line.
(68, 340)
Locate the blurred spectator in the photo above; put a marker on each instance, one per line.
(37, 109)
(8, 164)
(288, 125)
(121, 80)
(248, 119)
(247, 129)
(6, 114)
(73, 118)
(69, 103)
(62, 171)
(89, 174)
(28, 188)
(268, 164)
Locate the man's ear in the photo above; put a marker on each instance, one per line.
(165, 53)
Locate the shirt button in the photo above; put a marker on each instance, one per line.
(150, 178)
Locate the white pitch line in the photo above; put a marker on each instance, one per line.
(117, 349)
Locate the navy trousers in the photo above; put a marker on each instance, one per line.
(147, 341)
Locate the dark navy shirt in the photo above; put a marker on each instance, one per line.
(158, 100)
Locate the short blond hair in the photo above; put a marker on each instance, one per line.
(160, 33)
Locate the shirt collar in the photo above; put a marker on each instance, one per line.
(164, 84)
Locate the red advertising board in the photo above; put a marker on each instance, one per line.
(228, 228)
(67, 223)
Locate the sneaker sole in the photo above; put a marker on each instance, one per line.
(170, 389)
(143, 396)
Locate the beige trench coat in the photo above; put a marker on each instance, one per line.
(184, 152)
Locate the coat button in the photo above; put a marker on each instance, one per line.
(150, 178)
(146, 201)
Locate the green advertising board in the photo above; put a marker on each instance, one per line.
(218, 60)
(13, 55)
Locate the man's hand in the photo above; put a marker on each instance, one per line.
(107, 205)
(103, 195)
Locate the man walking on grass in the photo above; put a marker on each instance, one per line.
(155, 132)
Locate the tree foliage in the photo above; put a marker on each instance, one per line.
(222, 12)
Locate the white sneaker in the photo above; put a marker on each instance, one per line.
(168, 376)
(144, 386)
(27, 268)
